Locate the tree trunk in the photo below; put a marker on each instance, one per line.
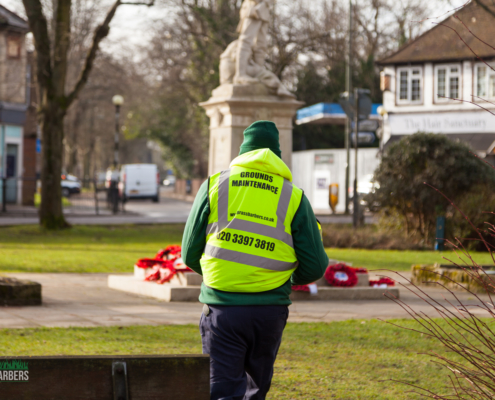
(51, 212)
(52, 74)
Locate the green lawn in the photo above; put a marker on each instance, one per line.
(116, 248)
(401, 260)
(83, 248)
(342, 360)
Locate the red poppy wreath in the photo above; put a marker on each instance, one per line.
(341, 275)
(166, 264)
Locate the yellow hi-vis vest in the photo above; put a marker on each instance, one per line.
(249, 240)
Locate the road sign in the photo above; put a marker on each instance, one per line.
(364, 138)
(364, 104)
(347, 102)
(368, 125)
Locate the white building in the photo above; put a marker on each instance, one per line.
(429, 82)
(314, 170)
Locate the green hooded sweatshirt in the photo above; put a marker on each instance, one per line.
(305, 234)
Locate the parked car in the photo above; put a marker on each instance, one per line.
(70, 185)
(169, 180)
(139, 181)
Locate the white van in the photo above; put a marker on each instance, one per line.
(139, 181)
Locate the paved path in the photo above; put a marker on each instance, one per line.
(85, 300)
(138, 212)
(168, 210)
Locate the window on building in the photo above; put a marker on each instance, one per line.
(484, 81)
(13, 46)
(410, 85)
(447, 82)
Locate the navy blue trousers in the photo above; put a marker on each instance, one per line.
(243, 343)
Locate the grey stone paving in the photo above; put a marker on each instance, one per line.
(137, 212)
(85, 300)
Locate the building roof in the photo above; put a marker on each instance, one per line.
(441, 44)
(12, 20)
(327, 113)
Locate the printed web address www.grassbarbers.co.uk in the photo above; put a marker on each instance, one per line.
(247, 214)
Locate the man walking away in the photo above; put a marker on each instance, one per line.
(251, 234)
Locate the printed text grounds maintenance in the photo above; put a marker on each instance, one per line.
(254, 184)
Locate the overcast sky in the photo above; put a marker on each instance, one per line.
(131, 25)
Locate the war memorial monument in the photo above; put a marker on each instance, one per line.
(248, 91)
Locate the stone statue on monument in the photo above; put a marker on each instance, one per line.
(254, 71)
(243, 62)
(248, 91)
(253, 37)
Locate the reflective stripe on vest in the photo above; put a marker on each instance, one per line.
(247, 226)
(242, 255)
(248, 259)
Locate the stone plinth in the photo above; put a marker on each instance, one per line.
(166, 292)
(187, 287)
(232, 108)
(14, 292)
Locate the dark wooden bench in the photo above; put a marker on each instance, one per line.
(105, 377)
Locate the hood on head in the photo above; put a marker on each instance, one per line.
(263, 160)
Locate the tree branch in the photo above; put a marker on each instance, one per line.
(100, 33)
(61, 46)
(39, 28)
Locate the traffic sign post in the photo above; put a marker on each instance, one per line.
(355, 209)
(357, 107)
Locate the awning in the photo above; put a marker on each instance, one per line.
(328, 114)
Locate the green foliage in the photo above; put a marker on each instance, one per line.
(324, 85)
(371, 237)
(313, 88)
(367, 76)
(419, 160)
(401, 260)
(478, 205)
(342, 360)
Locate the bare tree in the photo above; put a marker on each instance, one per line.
(181, 69)
(89, 141)
(52, 67)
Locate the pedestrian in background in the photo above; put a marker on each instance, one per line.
(252, 234)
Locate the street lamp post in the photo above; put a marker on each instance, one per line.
(348, 89)
(117, 101)
(355, 216)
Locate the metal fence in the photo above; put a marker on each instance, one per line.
(78, 197)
